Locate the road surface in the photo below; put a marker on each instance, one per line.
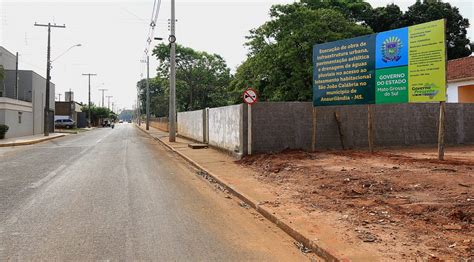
(115, 194)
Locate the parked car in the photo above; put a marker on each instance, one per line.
(64, 123)
(129, 121)
(120, 121)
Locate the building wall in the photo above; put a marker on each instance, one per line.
(226, 128)
(7, 59)
(10, 112)
(466, 94)
(191, 125)
(453, 91)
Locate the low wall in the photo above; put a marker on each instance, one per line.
(160, 123)
(226, 128)
(191, 125)
(288, 125)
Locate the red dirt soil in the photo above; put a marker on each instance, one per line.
(394, 197)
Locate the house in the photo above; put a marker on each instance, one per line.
(22, 100)
(461, 80)
(71, 110)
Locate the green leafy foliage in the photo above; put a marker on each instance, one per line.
(159, 96)
(98, 113)
(201, 79)
(3, 130)
(279, 65)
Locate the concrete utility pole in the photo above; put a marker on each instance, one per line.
(59, 97)
(48, 76)
(103, 90)
(89, 117)
(147, 92)
(172, 105)
(108, 101)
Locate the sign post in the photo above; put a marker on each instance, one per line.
(250, 97)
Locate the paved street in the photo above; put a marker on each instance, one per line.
(115, 194)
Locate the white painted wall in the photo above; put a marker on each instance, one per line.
(190, 125)
(225, 129)
(10, 110)
(452, 91)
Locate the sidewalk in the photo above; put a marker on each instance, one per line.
(28, 140)
(313, 229)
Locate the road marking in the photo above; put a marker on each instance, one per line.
(48, 177)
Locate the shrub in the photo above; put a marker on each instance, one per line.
(3, 131)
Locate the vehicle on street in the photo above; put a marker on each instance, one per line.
(120, 121)
(64, 123)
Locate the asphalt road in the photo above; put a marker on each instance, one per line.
(115, 194)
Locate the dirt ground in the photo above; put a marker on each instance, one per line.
(401, 198)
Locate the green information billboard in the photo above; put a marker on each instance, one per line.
(405, 65)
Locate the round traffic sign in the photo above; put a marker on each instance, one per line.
(250, 96)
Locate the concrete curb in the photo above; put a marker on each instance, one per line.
(26, 143)
(324, 253)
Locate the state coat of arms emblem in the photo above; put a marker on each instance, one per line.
(391, 49)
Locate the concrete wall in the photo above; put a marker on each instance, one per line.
(191, 125)
(18, 116)
(160, 123)
(226, 128)
(288, 125)
(273, 127)
(280, 125)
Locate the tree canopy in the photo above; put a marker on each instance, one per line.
(279, 65)
(202, 79)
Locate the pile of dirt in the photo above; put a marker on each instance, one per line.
(390, 198)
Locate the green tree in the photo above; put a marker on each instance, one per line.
(385, 18)
(279, 65)
(158, 96)
(201, 78)
(98, 113)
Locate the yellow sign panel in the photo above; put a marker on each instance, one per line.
(427, 62)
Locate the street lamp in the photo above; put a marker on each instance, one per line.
(67, 50)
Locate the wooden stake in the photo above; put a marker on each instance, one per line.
(313, 140)
(370, 128)
(339, 128)
(441, 131)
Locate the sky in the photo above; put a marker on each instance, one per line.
(113, 37)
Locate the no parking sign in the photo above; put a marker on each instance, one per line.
(250, 96)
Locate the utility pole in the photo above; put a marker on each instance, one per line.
(108, 102)
(16, 78)
(147, 92)
(90, 117)
(59, 97)
(103, 90)
(172, 105)
(48, 76)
